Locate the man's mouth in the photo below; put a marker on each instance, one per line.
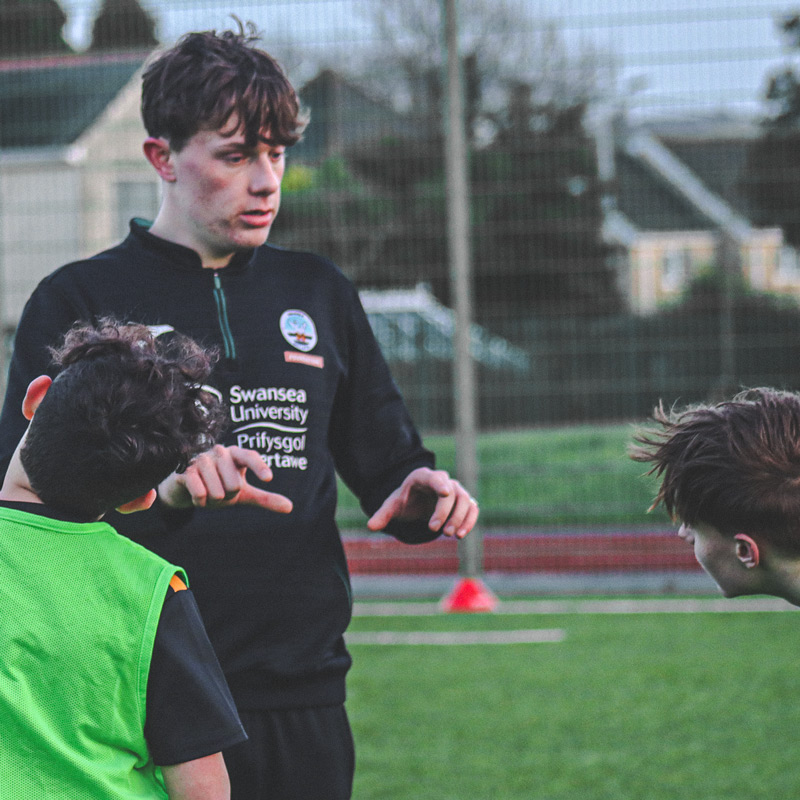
(257, 217)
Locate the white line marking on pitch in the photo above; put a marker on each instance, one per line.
(447, 638)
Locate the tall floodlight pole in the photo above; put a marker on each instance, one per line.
(460, 262)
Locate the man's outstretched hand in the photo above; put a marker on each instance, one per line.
(217, 479)
(432, 495)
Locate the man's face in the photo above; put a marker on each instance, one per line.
(225, 194)
(717, 554)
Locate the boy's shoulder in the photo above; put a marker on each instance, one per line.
(42, 517)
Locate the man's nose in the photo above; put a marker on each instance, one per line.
(265, 178)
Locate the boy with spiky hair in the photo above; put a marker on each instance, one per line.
(730, 472)
(108, 686)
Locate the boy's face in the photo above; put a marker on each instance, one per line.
(717, 554)
(225, 195)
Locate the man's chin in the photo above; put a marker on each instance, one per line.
(257, 236)
(244, 235)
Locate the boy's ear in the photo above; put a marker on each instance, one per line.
(747, 550)
(139, 504)
(158, 152)
(37, 389)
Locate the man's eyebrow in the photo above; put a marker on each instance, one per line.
(242, 144)
(229, 146)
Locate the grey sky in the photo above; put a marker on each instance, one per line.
(705, 53)
(673, 54)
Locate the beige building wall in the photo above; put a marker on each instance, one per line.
(117, 181)
(663, 264)
(40, 226)
(770, 265)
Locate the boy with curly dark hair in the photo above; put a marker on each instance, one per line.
(108, 685)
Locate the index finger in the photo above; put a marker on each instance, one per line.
(271, 501)
(444, 505)
(252, 460)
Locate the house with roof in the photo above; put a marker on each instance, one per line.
(72, 173)
(675, 201)
(678, 207)
(71, 167)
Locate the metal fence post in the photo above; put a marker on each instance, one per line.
(460, 260)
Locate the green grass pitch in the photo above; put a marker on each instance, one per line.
(702, 706)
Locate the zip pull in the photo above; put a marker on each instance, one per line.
(222, 316)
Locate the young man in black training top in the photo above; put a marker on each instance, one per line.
(309, 393)
(106, 668)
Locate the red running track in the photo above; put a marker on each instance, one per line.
(526, 552)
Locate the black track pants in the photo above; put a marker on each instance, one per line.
(293, 754)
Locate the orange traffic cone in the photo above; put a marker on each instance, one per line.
(470, 595)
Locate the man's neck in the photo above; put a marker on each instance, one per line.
(164, 230)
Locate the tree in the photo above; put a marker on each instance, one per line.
(31, 27)
(773, 170)
(536, 206)
(502, 48)
(329, 210)
(538, 218)
(123, 25)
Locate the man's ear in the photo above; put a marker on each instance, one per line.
(37, 389)
(158, 152)
(747, 550)
(139, 504)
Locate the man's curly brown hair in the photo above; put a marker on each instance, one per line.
(208, 78)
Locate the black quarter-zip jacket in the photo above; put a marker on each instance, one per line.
(308, 388)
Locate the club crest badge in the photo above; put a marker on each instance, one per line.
(298, 329)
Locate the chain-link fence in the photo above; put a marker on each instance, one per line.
(633, 175)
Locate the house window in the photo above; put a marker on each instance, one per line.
(788, 265)
(674, 270)
(135, 199)
(757, 267)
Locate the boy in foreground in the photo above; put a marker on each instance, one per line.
(730, 472)
(106, 670)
